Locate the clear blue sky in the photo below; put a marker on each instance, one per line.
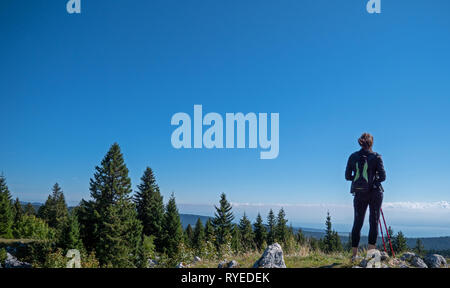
(71, 85)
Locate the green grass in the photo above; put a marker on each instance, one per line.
(12, 241)
(305, 260)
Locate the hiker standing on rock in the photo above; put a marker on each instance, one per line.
(366, 171)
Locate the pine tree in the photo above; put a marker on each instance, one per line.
(117, 230)
(331, 241)
(209, 231)
(399, 244)
(70, 235)
(419, 249)
(260, 232)
(189, 236)
(54, 211)
(300, 237)
(281, 229)
(172, 230)
(88, 219)
(246, 231)
(29, 210)
(18, 214)
(222, 221)
(236, 239)
(271, 235)
(199, 235)
(6, 210)
(150, 206)
(18, 211)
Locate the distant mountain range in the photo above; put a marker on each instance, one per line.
(430, 243)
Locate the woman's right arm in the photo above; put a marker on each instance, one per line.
(349, 169)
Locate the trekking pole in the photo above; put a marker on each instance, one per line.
(387, 232)
(382, 236)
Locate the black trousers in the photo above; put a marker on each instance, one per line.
(373, 199)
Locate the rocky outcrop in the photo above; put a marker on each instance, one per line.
(13, 262)
(271, 258)
(377, 259)
(435, 261)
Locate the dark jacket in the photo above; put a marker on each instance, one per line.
(376, 171)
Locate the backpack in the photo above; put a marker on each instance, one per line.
(361, 181)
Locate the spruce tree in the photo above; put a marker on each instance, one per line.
(399, 244)
(199, 235)
(150, 206)
(419, 248)
(189, 236)
(260, 232)
(18, 214)
(246, 231)
(118, 232)
(29, 210)
(209, 231)
(54, 211)
(236, 239)
(172, 230)
(88, 219)
(70, 235)
(300, 237)
(271, 235)
(222, 221)
(6, 210)
(331, 240)
(281, 229)
(18, 211)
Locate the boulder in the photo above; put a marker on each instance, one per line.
(384, 256)
(271, 258)
(435, 261)
(233, 264)
(180, 265)
(418, 262)
(372, 259)
(228, 264)
(13, 262)
(408, 256)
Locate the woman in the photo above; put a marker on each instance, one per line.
(366, 171)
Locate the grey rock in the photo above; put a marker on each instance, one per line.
(384, 266)
(384, 256)
(197, 259)
(408, 256)
(372, 260)
(228, 264)
(435, 261)
(152, 263)
(418, 262)
(403, 265)
(13, 262)
(180, 265)
(271, 258)
(233, 264)
(222, 264)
